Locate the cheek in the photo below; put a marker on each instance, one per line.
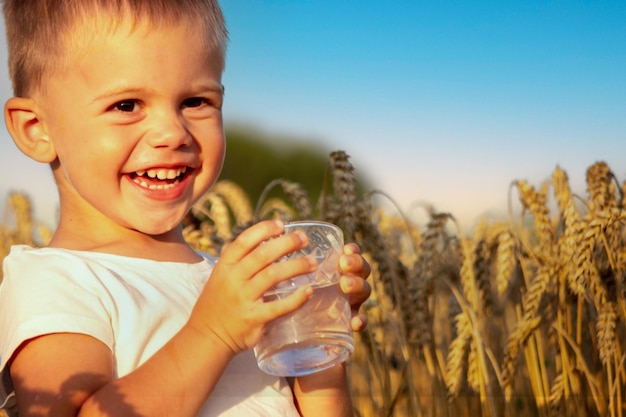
(213, 154)
(83, 155)
(90, 163)
(219, 159)
(90, 143)
(214, 151)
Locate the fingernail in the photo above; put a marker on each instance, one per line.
(302, 236)
(348, 282)
(344, 262)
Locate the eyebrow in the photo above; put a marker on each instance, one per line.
(122, 91)
(213, 87)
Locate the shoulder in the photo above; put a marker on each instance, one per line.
(25, 264)
(32, 268)
(27, 257)
(47, 280)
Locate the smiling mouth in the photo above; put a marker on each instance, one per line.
(159, 179)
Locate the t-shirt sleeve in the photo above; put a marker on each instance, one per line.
(42, 295)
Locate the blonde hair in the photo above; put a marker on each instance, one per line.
(40, 31)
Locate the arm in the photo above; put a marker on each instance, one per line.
(324, 393)
(71, 374)
(327, 393)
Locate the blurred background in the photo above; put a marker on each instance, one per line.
(444, 102)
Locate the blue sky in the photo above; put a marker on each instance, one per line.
(444, 102)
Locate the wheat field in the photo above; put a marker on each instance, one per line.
(524, 317)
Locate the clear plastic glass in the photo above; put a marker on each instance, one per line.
(317, 335)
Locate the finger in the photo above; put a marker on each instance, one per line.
(354, 264)
(356, 288)
(250, 239)
(278, 272)
(272, 251)
(273, 309)
(351, 249)
(358, 322)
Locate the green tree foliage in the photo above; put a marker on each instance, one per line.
(253, 160)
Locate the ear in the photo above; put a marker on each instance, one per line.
(27, 130)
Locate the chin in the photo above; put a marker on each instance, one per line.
(159, 228)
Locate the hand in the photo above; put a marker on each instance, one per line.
(355, 270)
(231, 307)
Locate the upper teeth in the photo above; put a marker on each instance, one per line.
(163, 174)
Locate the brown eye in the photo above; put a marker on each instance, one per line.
(194, 102)
(126, 106)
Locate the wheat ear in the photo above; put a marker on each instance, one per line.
(601, 189)
(505, 261)
(295, 193)
(605, 330)
(345, 192)
(523, 329)
(420, 285)
(22, 211)
(535, 202)
(236, 199)
(457, 355)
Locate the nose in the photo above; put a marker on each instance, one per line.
(168, 130)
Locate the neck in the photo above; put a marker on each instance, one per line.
(75, 235)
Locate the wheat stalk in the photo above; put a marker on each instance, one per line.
(522, 332)
(403, 236)
(420, 285)
(571, 255)
(293, 191)
(390, 271)
(236, 199)
(573, 267)
(556, 395)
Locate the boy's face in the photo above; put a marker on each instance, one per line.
(136, 123)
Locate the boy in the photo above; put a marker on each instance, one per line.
(118, 315)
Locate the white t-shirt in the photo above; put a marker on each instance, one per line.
(132, 305)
